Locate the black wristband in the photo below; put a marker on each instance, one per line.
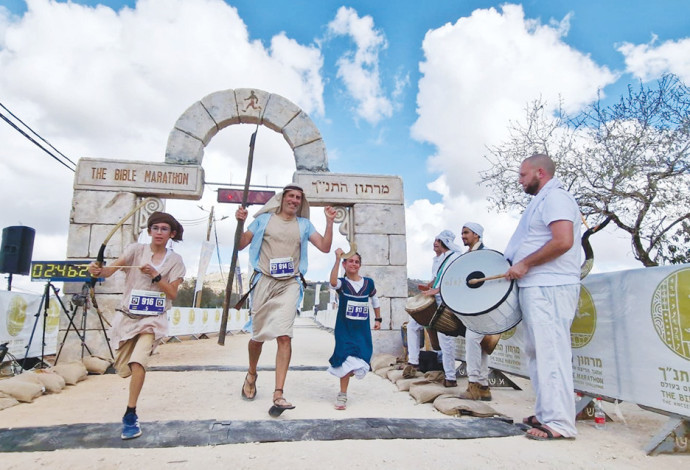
(378, 319)
(155, 279)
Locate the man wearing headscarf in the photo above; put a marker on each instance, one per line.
(477, 346)
(277, 240)
(546, 264)
(444, 247)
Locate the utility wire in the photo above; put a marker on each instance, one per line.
(4, 118)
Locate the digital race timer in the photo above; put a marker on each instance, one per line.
(60, 271)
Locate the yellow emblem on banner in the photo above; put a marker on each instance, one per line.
(671, 312)
(16, 315)
(204, 318)
(585, 321)
(176, 316)
(192, 316)
(508, 334)
(53, 319)
(217, 315)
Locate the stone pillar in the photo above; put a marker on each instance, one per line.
(378, 229)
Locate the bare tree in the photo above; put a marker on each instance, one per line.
(629, 162)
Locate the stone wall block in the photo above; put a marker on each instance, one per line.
(279, 111)
(197, 122)
(398, 313)
(398, 250)
(251, 104)
(300, 131)
(391, 281)
(380, 218)
(120, 239)
(311, 156)
(103, 207)
(78, 237)
(183, 149)
(222, 107)
(373, 248)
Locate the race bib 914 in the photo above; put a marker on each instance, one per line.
(282, 267)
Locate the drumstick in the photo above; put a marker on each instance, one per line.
(482, 279)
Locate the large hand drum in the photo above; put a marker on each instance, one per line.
(421, 307)
(488, 307)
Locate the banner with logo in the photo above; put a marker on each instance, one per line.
(630, 338)
(17, 318)
(183, 321)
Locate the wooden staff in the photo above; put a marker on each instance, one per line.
(238, 235)
(482, 279)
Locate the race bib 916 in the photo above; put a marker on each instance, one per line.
(145, 302)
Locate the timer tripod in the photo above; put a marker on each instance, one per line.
(44, 305)
(82, 300)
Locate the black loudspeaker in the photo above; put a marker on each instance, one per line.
(16, 250)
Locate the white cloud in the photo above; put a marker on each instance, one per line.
(359, 70)
(649, 61)
(104, 84)
(480, 72)
(425, 220)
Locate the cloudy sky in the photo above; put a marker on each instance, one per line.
(409, 88)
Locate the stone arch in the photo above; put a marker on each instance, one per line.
(202, 120)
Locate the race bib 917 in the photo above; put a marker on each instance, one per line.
(357, 310)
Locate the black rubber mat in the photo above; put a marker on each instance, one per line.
(211, 432)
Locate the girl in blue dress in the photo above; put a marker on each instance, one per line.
(353, 345)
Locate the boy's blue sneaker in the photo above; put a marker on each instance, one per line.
(130, 426)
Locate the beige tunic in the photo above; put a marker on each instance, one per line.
(274, 301)
(125, 327)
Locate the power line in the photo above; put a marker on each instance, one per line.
(7, 120)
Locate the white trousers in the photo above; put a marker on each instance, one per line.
(548, 313)
(477, 360)
(413, 332)
(448, 345)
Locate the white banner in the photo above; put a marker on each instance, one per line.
(204, 260)
(18, 314)
(630, 338)
(184, 321)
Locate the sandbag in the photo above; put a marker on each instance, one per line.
(404, 384)
(425, 391)
(382, 360)
(383, 371)
(53, 382)
(7, 401)
(394, 375)
(435, 376)
(49, 380)
(30, 377)
(22, 390)
(454, 406)
(72, 372)
(96, 365)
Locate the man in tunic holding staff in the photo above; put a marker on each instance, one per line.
(277, 241)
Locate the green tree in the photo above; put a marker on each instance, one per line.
(628, 161)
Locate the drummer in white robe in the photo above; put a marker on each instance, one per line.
(445, 248)
(546, 264)
(476, 357)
